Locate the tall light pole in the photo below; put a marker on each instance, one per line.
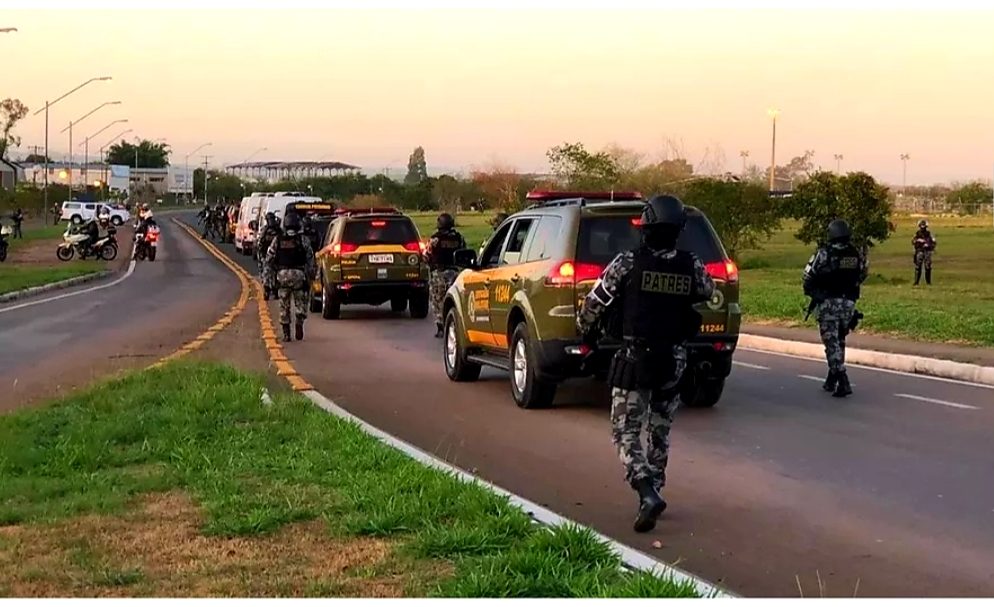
(773, 150)
(7, 30)
(186, 163)
(838, 163)
(49, 104)
(744, 154)
(103, 159)
(904, 179)
(86, 142)
(69, 128)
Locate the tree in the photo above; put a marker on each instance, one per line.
(499, 187)
(12, 111)
(743, 213)
(583, 170)
(855, 197)
(799, 169)
(417, 167)
(450, 193)
(36, 159)
(150, 155)
(970, 198)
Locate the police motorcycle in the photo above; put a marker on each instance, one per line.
(147, 242)
(5, 231)
(74, 242)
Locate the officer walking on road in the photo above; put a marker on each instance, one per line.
(311, 234)
(269, 232)
(656, 287)
(440, 254)
(290, 260)
(924, 244)
(832, 280)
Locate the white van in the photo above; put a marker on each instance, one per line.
(249, 218)
(78, 212)
(278, 201)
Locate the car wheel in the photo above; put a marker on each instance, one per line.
(702, 394)
(529, 391)
(76, 219)
(398, 304)
(316, 303)
(419, 305)
(457, 368)
(117, 221)
(331, 308)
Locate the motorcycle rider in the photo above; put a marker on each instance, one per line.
(270, 231)
(142, 229)
(92, 230)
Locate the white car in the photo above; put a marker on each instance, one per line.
(78, 212)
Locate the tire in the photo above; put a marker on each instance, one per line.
(419, 305)
(528, 390)
(151, 254)
(65, 253)
(76, 219)
(117, 221)
(703, 395)
(398, 304)
(108, 252)
(331, 308)
(315, 305)
(457, 368)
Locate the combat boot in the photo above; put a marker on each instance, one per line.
(918, 276)
(286, 331)
(928, 276)
(299, 328)
(651, 505)
(438, 330)
(830, 382)
(842, 389)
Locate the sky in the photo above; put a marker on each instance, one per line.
(478, 87)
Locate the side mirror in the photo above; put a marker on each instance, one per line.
(464, 258)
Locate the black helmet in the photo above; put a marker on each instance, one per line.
(838, 231)
(664, 210)
(305, 221)
(291, 222)
(923, 225)
(445, 222)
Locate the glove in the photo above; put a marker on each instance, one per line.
(590, 339)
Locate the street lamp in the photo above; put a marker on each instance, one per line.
(904, 180)
(7, 30)
(186, 163)
(69, 128)
(103, 159)
(773, 151)
(86, 142)
(744, 154)
(49, 104)
(838, 163)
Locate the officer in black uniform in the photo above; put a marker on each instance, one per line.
(656, 286)
(440, 253)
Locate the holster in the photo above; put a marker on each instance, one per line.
(639, 366)
(623, 371)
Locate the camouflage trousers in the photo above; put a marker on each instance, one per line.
(833, 318)
(923, 258)
(291, 288)
(438, 284)
(634, 410)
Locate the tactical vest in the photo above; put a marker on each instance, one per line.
(443, 252)
(658, 297)
(842, 278)
(290, 253)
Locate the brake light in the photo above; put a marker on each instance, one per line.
(636, 221)
(344, 247)
(413, 246)
(569, 273)
(378, 224)
(725, 270)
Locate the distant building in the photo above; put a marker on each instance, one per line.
(173, 180)
(10, 174)
(273, 171)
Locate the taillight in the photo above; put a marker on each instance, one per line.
(569, 273)
(344, 247)
(378, 224)
(725, 270)
(415, 247)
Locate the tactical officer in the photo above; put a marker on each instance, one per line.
(656, 287)
(832, 280)
(310, 232)
(440, 253)
(290, 260)
(270, 230)
(924, 244)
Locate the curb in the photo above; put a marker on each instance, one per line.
(631, 558)
(901, 363)
(55, 286)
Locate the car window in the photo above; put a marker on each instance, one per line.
(379, 231)
(491, 255)
(545, 236)
(602, 238)
(516, 243)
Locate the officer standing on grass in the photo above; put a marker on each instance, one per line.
(290, 260)
(440, 254)
(832, 280)
(656, 287)
(924, 244)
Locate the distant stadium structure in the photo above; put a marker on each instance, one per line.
(285, 171)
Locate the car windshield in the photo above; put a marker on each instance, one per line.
(379, 231)
(603, 237)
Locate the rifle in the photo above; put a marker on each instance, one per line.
(811, 307)
(854, 321)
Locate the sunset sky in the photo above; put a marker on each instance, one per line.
(474, 86)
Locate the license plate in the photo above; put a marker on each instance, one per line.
(381, 272)
(712, 328)
(387, 258)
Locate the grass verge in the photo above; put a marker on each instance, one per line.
(16, 278)
(178, 481)
(957, 308)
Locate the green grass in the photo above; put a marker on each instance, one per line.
(957, 308)
(36, 233)
(474, 227)
(72, 473)
(16, 278)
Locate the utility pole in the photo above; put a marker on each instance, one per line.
(838, 163)
(744, 154)
(904, 178)
(206, 165)
(773, 149)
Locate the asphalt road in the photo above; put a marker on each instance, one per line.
(46, 342)
(887, 493)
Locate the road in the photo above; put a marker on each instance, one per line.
(48, 346)
(888, 491)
